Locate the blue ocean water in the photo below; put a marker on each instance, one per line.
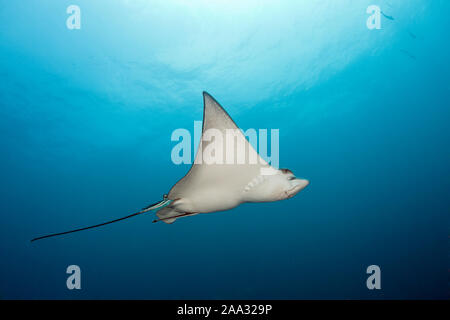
(86, 117)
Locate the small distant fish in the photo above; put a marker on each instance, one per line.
(386, 16)
(408, 54)
(412, 35)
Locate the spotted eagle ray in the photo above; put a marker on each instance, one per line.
(212, 185)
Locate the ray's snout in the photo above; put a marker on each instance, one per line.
(297, 186)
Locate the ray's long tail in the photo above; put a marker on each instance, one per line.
(154, 206)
